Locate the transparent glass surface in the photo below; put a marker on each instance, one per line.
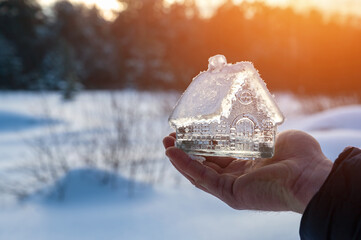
(227, 111)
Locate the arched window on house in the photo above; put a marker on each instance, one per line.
(245, 132)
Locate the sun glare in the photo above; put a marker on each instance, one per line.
(110, 8)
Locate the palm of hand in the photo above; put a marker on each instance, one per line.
(285, 182)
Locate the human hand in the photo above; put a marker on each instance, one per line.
(285, 182)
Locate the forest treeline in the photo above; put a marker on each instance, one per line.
(153, 46)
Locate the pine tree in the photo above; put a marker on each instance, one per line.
(10, 64)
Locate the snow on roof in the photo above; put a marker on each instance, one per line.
(210, 95)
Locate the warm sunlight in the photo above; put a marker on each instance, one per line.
(109, 8)
(328, 6)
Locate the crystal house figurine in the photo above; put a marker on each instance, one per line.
(227, 111)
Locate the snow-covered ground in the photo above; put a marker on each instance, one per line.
(170, 208)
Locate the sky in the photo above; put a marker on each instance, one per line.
(207, 6)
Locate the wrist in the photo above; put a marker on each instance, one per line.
(313, 177)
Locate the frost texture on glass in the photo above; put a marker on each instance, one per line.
(227, 111)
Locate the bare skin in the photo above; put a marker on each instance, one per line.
(286, 182)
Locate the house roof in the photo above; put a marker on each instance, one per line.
(210, 95)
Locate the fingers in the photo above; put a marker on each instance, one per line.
(192, 168)
(168, 142)
(214, 166)
(203, 176)
(239, 167)
(220, 161)
(184, 174)
(190, 179)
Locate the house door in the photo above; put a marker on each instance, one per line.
(245, 132)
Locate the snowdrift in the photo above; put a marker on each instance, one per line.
(347, 117)
(88, 185)
(12, 121)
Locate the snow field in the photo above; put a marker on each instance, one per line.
(170, 209)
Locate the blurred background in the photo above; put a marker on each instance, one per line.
(307, 47)
(86, 87)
